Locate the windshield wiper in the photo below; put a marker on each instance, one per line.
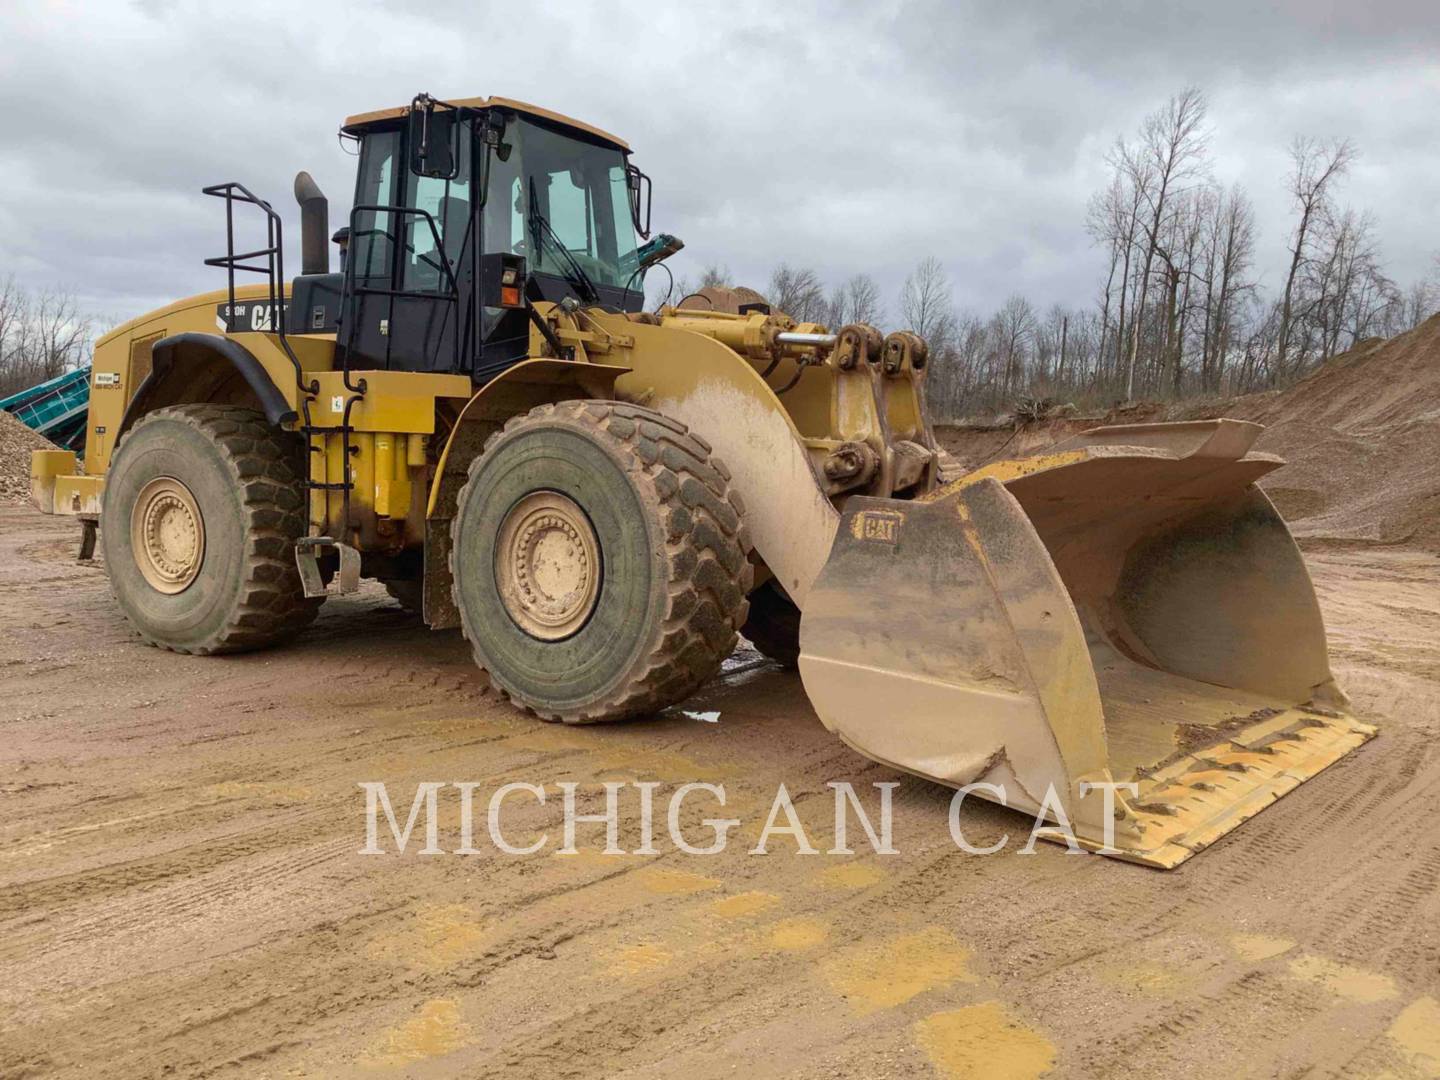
(543, 230)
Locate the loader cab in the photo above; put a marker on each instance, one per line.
(435, 193)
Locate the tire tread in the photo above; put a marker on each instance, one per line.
(265, 463)
(707, 549)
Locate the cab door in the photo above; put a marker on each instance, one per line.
(411, 262)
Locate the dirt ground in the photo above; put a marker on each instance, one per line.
(181, 891)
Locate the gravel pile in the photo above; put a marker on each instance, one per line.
(16, 442)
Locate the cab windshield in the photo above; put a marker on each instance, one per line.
(576, 188)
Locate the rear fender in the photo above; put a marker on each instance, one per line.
(196, 367)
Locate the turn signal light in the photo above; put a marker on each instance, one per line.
(502, 280)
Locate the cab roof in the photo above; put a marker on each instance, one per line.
(353, 124)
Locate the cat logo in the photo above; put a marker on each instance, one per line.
(877, 526)
(251, 316)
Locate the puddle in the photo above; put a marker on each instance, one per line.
(550, 739)
(437, 1030)
(742, 904)
(665, 882)
(436, 938)
(638, 959)
(892, 972)
(1351, 983)
(1416, 1031)
(796, 935)
(984, 1042)
(667, 767)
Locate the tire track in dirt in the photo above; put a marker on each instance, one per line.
(226, 926)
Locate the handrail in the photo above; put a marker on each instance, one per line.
(274, 270)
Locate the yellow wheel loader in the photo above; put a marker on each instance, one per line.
(476, 410)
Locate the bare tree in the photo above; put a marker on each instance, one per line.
(1051, 338)
(14, 316)
(1230, 250)
(42, 335)
(1178, 253)
(1422, 301)
(966, 360)
(1178, 309)
(1315, 166)
(926, 303)
(715, 276)
(1111, 220)
(1170, 153)
(927, 306)
(1014, 327)
(857, 300)
(798, 293)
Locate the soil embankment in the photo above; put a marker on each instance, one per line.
(1360, 436)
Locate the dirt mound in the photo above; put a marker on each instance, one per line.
(16, 442)
(1361, 438)
(974, 444)
(1360, 435)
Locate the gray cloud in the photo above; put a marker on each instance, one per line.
(845, 136)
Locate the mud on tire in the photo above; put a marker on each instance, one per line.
(672, 552)
(244, 477)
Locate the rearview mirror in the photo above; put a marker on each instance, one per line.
(638, 185)
(433, 139)
(490, 130)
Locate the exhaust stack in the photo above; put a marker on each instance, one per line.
(314, 225)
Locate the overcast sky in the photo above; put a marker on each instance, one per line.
(847, 137)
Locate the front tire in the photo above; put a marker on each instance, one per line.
(202, 508)
(599, 561)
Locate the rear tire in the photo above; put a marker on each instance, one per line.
(599, 561)
(202, 508)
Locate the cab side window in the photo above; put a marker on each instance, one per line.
(448, 204)
(372, 247)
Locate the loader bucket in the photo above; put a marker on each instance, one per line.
(1125, 608)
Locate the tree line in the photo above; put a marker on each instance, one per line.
(1180, 311)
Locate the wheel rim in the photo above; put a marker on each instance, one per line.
(547, 565)
(167, 535)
